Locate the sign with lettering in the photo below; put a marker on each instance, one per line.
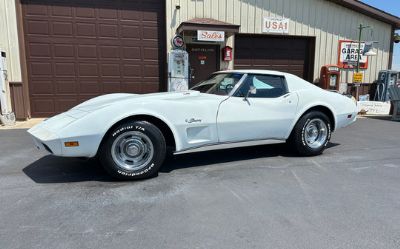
(374, 107)
(276, 25)
(357, 77)
(207, 35)
(348, 54)
(178, 42)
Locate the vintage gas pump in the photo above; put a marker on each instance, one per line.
(178, 70)
(178, 66)
(386, 80)
(7, 117)
(330, 77)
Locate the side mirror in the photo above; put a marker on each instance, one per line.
(252, 90)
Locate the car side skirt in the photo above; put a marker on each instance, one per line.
(229, 145)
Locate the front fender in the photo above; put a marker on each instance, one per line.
(94, 126)
(147, 112)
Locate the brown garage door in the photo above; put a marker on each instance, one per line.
(80, 49)
(287, 54)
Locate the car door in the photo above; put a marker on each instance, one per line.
(267, 113)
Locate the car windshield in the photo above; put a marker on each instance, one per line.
(220, 84)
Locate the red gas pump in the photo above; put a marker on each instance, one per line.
(330, 77)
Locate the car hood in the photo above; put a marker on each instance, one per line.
(115, 98)
(51, 127)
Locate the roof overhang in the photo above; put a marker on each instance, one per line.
(368, 10)
(207, 24)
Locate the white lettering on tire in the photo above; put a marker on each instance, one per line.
(136, 173)
(128, 128)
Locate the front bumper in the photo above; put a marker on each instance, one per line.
(45, 135)
(51, 135)
(42, 146)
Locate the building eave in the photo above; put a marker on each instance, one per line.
(207, 23)
(368, 10)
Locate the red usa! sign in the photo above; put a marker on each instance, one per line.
(276, 25)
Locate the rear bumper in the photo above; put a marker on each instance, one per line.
(345, 119)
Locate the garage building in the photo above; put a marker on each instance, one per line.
(60, 53)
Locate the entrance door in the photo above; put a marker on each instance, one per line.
(204, 60)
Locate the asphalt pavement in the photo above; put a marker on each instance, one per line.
(255, 197)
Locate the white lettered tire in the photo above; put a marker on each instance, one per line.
(311, 134)
(133, 150)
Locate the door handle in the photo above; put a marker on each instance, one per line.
(286, 99)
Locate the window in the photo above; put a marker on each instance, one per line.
(220, 84)
(268, 86)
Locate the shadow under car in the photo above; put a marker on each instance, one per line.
(52, 169)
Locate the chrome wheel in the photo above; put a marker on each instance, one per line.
(316, 133)
(132, 150)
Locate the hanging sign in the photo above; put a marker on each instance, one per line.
(276, 25)
(348, 55)
(207, 35)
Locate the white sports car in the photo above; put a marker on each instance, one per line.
(131, 134)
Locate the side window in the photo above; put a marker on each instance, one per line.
(268, 86)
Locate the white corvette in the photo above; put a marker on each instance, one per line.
(131, 134)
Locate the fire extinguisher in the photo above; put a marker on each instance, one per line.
(227, 53)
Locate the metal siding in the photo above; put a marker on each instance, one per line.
(327, 21)
(251, 11)
(18, 101)
(229, 11)
(9, 39)
(243, 17)
(258, 16)
(237, 10)
(207, 8)
(213, 11)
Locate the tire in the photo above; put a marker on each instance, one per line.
(311, 134)
(133, 150)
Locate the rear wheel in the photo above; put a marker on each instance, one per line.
(133, 150)
(311, 134)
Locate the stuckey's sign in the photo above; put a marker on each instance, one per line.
(276, 25)
(348, 54)
(208, 35)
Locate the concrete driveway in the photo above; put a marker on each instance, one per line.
(254, 197)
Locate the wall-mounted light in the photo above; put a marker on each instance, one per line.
(396, 38)
(370, 53)
(368, 48)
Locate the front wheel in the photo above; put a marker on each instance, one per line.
(311, 134)
(133, 150)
